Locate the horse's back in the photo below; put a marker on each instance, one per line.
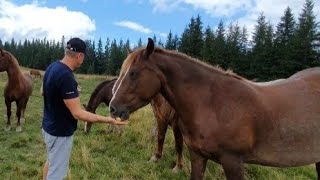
(311, 74)
(292, 121)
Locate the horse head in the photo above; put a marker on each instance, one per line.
(4, 60)
(137, 84)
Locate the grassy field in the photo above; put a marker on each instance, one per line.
(106, 156)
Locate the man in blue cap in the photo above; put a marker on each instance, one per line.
(62, 109)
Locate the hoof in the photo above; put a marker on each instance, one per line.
(19, 129)
(23, 120)
(7, 128)
(177, 169)
(154, 159)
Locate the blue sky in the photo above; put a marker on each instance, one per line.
(130, 19)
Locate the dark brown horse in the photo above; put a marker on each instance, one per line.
(164, 113)
(18, 88)
(224, 117)
(101, 94)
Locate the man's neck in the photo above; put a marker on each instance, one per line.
(68, 61)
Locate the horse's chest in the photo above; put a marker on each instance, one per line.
(12, 94)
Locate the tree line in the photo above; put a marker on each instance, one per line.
(271, 52)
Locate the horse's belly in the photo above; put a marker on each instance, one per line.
(292, 142)
(284, 158)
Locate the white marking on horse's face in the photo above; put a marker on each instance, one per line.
(114, 92)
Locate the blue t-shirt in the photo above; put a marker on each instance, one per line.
(58, 84)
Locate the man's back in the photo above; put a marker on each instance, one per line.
(58, 84)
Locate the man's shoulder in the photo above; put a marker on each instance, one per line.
(57, 65)
(58, 69)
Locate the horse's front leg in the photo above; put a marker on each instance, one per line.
(162, 130)
(8, 104)
(18, 114)
(318, 170)
(178, 145)
(198, 165)
(87, 127)
(233, 166)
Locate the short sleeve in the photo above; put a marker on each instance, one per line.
(68, 87)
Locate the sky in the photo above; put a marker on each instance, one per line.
(131, 19)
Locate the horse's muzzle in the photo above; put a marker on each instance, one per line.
(120, 112)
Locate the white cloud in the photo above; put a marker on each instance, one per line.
(217, 8)
(163, 35)
(34, 21)
(212, 7)
(134, 26)
(274, 10)
(164, 5)
(244, 12)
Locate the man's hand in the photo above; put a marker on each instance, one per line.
(117, 121)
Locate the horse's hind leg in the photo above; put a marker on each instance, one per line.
(233, 166)
(198, 165)
(18, 114)
(162, 129)
(179, 147)
(318, 169)
(23, 109)
(8, 104)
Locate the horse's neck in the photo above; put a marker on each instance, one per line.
(14, 73)
(183, 74)
(94, 102)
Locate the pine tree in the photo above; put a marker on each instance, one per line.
(191, 39)
(220, 46)
(170, 42)
(262, 50)
(284, 36)
(208, 49)
(233, 46)
(100, 62)
(139, 43)
(307, 35)
(107, 56)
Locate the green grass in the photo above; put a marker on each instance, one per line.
(107, 156)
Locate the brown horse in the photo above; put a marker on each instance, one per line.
(35, 73)
(164, 113)
(18, 88)
(101, 94)
(224, 117)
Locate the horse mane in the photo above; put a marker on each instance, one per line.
(14, 60)
(100, 86)
(177, 54)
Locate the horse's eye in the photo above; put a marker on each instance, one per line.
(132, 74)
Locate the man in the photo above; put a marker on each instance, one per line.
(62, 109)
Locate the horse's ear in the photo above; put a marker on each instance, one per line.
(149, 49)
(128, 50)
(1, 51)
